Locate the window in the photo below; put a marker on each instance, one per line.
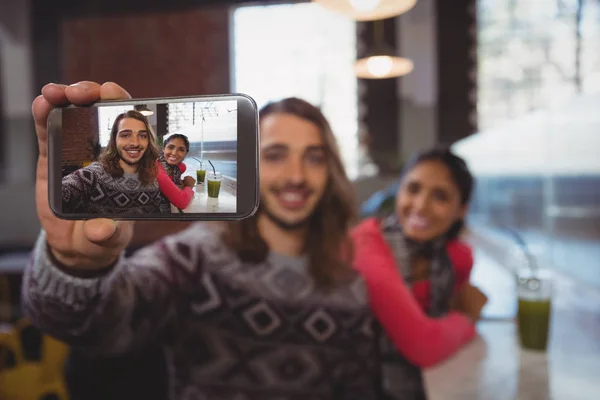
(305, 51)
(211, 128)
(530, 56)
(106, 118)
(204, 121)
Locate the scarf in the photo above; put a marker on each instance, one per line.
(172, 170)
(402, 379)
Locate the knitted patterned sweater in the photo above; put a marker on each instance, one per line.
(231, 331)
(234, 331)
(92, 190)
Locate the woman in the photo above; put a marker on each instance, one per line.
(431, 203)
(170, 169)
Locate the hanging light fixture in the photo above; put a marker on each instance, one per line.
(368, 10)
(381, 63)
(144, 110)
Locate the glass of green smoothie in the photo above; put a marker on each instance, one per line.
(213, 183)
(200, 173)
(534, 289)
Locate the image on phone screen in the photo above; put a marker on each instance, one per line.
(177, 158)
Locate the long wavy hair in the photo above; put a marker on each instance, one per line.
(328, 246)
(147, 169)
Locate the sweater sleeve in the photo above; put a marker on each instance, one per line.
(424, 341)
(76, 187)
(121, 309)
(180, 198)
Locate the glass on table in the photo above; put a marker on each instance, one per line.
(534, 291)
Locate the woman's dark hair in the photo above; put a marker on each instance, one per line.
(459, 171)
(185, 139)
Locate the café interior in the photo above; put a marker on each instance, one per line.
(512, 87)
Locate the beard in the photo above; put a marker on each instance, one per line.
(131, 163)
(281, 223)
(284, 225)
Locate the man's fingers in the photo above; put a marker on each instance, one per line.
(83, 93)
(55, 93)
(112, 91)
(40, 110)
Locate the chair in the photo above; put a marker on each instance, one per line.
(31, 365)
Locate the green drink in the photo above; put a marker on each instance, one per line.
(200, 175)
(534, 323)
(213, 184)
(535, 308)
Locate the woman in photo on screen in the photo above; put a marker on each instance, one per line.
(179, 191)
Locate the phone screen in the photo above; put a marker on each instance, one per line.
(176, 158)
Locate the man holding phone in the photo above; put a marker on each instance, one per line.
(257, 309)
(265, 308)
(125, 178)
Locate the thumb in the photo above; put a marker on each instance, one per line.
(109, 233)
(99, 230)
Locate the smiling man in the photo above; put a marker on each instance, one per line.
(264, 308)
(125, 178)
(267, 308)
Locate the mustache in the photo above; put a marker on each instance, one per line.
(293, 186)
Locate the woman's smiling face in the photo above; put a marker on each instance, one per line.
(428, 202)
(175, 151)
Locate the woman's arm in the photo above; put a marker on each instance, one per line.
(180, 198)
(461, 256)
(424, 341)
(466, 298)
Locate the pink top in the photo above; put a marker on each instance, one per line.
(423, 340)
(180, 198)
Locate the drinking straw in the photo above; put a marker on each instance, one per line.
(524, 248)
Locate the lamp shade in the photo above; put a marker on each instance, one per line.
(382, 66)
(368, 10)
(144, 110)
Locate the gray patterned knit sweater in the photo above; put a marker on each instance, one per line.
(92, 190)
(231, 331)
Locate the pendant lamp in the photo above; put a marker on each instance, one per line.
(144, 110)
(380, 62)
(368, 10)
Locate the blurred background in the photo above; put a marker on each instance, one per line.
(514, 86)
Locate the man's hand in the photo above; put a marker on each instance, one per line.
(92, 244)
(189, 181)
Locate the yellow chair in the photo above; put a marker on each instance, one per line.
(33, 376)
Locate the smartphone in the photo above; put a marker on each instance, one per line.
(170, 158)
